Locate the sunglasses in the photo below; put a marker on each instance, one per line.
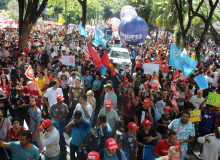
(96, 77)
(46, 128)
(88, 95)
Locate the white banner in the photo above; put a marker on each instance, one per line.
(151, 68)
(68, 60)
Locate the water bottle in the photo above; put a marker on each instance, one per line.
(96, 133)
(80, 149)
(84, 150)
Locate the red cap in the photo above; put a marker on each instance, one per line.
(60, 98)
(111, 143)
(147, 83)
(45, 123)
(146, 101)
(88, 60)
(146, 122)
(168, 108)
(125, 80)
(93, 156)
(132, 125)
(108, 103)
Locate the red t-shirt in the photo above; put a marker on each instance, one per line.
(6, 89)
(164, 68)
(26, 50)
(162, 147)
(147, 61)
(26, 90)
(15, 137)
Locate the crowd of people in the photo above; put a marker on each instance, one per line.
(66, 98)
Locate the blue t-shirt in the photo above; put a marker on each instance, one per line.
(115, 81)
(96, 84)
(133, 53)
(35, 115)
(206, 123)
(104, 134)
(79, 132)
(89, 80)
(21, 154)
(114, 157)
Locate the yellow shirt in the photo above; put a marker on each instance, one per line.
(41, 83)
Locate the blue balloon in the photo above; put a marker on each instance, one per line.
(133, 30)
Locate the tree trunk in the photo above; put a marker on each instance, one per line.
(24, 34)
(167, 37)
(215, 34)
(84, 9)
(156, 35)
(202, 38)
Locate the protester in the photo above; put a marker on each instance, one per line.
(15, 130)
(173, 154)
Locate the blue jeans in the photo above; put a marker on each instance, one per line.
(127, 155)
(60, 127)
(52, 158)
(24, 116)
(92, 117)
(74, 149)
(183, 155)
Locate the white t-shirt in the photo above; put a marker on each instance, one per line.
(210, 150)
(53, 54)
(88, 108)
(51, 94)
(197, 101)
(72, 81)
(208, 79)
(64, 78)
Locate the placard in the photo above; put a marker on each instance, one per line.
(123, 66)
(195, 116)
(213, 99)
(151, 68)
(68, 60)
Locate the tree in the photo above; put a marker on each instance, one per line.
(84, 11)
(29, 12)
(12, 10)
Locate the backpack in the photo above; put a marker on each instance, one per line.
(118, 152)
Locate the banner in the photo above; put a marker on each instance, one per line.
(173, 89)
(61, 20)
(213, 99)
(83, 31)
(175, 106)
(68, 60)
(201, 81)
(86, 51)
(95, 56)
(155, 84)
(151, 68)
(195, 116)
(30, 74)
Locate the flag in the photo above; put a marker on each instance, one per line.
(95, 56)
(86, 51)
(112, 70)
(155, 84)
(105, 59)
(95, 43)
(163, 36)
(157, 114)
(102, 70)
(181, 61)
(175, 106)
(83, 31)
(109, 46)
(100, 32)
(173, 89)
(176, 73)
(61, 20)
(99, 39)
(30, 74)
(201, 81)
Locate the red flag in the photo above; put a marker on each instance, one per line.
(105, 59)
(112, 70)
(186, 78)
(30, 74)
(95, 56)
(175, 106)
(155, 84)
(173, 89)
(176, 73)
(87, 53)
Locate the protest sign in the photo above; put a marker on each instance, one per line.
(68, 60)
(213, 99)
(195, 116)
(155, 84)
(124, 65)
(175, 106)
(151, 68)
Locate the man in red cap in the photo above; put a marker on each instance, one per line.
(50, 139)
(146, 136)
(112, 151)
(111, 115)
(93, 156)
(58, 111)
(144, 112)
(129, 105)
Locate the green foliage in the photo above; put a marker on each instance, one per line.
(177, 35)
(12, 10)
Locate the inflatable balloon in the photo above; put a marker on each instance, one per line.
(126, 7)
(133, 30)
(128, 12)
(115, 23)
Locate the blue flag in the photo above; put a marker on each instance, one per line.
(83, 31)
(109, 46)
(95, 43)
(201, 81)
(157, 114)
(99, 39)
(181, 61)
(102, 69)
